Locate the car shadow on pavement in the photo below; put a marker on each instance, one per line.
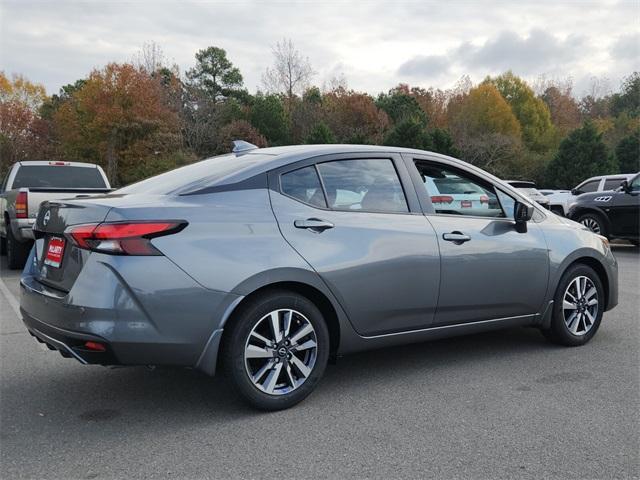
(163, 396)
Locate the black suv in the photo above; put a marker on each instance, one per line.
(614, 214)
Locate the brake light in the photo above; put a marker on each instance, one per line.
(59, 163)
(22, 205)
(441, 199)
(123, 238)
(484, 199)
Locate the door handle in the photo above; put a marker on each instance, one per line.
(456, 237)
(314, 224)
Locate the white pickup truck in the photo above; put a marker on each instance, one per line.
(27, 185)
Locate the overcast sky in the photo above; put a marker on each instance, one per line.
(375, 45)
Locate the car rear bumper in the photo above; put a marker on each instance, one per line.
(22, 229)
(144, 310)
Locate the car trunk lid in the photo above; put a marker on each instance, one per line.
(58, 260)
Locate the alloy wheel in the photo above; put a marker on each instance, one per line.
(592, 224)
(280, 352)
(580, 305)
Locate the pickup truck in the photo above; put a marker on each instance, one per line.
(27, 185)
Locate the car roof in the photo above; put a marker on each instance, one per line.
(39, 163)
(606, 177)
(275, 157)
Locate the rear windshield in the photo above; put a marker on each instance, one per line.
(200, 174)
(58, 176)
(453, 186)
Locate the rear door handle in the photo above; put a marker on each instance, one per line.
(456, 237)
(314, 224)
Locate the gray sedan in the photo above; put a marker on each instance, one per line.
(271, 262)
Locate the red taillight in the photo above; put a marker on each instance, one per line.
(441, 199)
(484, 199)
(22, 205)
(130, 238)
(95, 346)
(59, 163)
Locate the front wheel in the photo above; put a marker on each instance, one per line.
(276, 350)
(577, 308)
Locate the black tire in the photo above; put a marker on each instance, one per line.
(559, 332)
(594, 222)
(17, 252)
(236, 337)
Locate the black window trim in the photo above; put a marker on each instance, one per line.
(413, 206)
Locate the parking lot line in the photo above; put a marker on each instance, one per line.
(13, 301)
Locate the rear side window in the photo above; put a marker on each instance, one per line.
(45, 176)
(304, 185)
(587, 187)
(612, 183)
(367, 185)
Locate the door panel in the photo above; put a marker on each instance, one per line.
(488, 269)
(496, 273)
(623, 212)
(383, 268)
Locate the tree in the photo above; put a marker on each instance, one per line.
(410, 133)
(628, 153)
(563, 108)
(400, 105)
(20, 90)
(320, 134)
(215, 74)
(485, 130)
(269, 117)
(532, 113)
(239, 130)
(581, 155)
(290, 73)
(23, 134)
(628, 100)
(118, 117)
(353, 117)
(442, 142)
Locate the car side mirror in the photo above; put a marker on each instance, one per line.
(522, 213)
(575, 191)
(624, 185)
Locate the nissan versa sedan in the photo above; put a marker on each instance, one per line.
(268, 263)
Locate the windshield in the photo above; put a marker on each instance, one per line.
(58, 176)
(203, 173)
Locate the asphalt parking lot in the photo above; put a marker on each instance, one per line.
(498, 405)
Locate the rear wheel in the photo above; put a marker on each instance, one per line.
(594, 222)
(578, 307)
(17, 252)
(276, 350)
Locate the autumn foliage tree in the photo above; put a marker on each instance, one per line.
(118, 117)
(353, 117)
(23, 134)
